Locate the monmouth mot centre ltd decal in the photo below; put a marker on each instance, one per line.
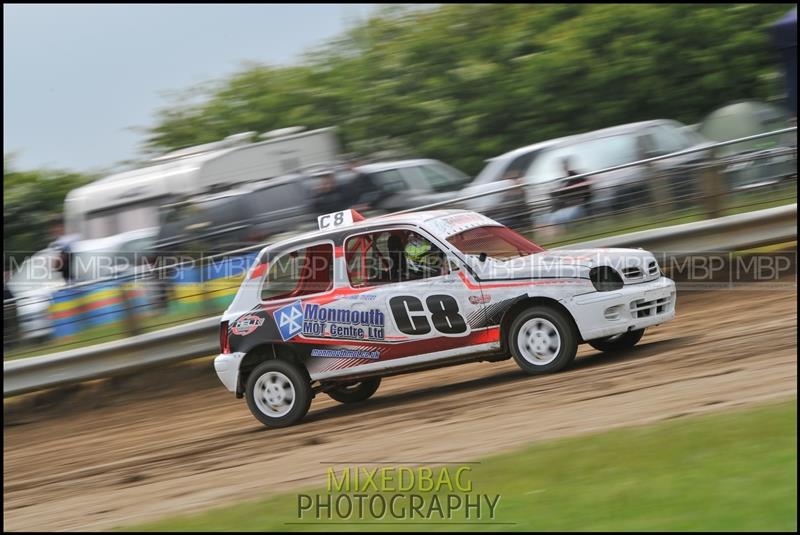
(314, 320)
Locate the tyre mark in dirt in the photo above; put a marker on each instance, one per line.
(194, 446)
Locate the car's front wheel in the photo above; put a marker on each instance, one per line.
(278, 393)
(542, 339)
(355, 392)
(618, 342)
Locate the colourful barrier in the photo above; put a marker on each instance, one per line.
(139, 299)
(211, 287)
(67, 312)
(205, 289)
(76, 309)
(104, 304)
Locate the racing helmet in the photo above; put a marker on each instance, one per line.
(420, 257)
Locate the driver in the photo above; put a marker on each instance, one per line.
(421, 257)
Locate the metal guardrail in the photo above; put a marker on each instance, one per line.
(200, 338)
(704, 148)
(184, 342)
(728, 233)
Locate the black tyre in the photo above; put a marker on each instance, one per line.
(355, 392)
(618, 342)
(278, 393)
(542, 339)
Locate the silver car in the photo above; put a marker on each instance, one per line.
(541, 165)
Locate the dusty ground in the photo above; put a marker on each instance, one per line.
(129, 453)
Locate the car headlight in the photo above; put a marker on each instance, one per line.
(605, 279)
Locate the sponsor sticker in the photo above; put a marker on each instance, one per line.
(289, 320)
(346, 354)
(247, 324)
(329, 322)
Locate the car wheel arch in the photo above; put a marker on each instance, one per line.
(261, 353)
(528, 302)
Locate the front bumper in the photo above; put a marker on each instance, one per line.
(633, 307)
(227, 368)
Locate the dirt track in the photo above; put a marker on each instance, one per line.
(142, 456)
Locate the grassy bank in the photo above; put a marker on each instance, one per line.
(729, 471)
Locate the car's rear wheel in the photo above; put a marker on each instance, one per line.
(355, 392)
(542, 339)
(278, 393)
(618, 342)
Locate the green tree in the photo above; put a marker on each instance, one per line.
(32, 202)
(466, 82)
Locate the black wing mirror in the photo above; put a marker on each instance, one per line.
(482, 257)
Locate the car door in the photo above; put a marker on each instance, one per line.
(423, 317)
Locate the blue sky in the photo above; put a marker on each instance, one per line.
(76, 78)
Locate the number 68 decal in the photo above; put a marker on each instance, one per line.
(412, 318)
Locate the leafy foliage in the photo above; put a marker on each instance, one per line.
(461, 83)
(32, 205)
(465, 82)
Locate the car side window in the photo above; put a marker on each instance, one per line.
(283, 195)
(548, 166)
(519, 166)
(390, 181)
(665, 140)
(304, 271)
(434, 177)
(391, 256)
(416, 179)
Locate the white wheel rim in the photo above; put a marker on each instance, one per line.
(538, 341)
(274, 394)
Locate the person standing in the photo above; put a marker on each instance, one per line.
(327, 195)
(514, 203)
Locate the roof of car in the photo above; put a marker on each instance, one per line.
(396, 164)
(409, 218)
(289, 178)
(574, 138)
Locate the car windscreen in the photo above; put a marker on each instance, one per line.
(215, 210)
(201, 217)
(584, 157)
(264, 201)
(493, 171)
(442, 177)
(497, 242)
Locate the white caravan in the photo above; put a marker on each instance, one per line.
(130, 200)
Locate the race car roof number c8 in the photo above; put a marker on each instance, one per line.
(342, 218)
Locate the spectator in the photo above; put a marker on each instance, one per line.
(365, 193)
(575, 192)
(62, 243)
(571, 201)
(328, 197)
(514, 203)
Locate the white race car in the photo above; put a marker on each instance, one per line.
(335, 310)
